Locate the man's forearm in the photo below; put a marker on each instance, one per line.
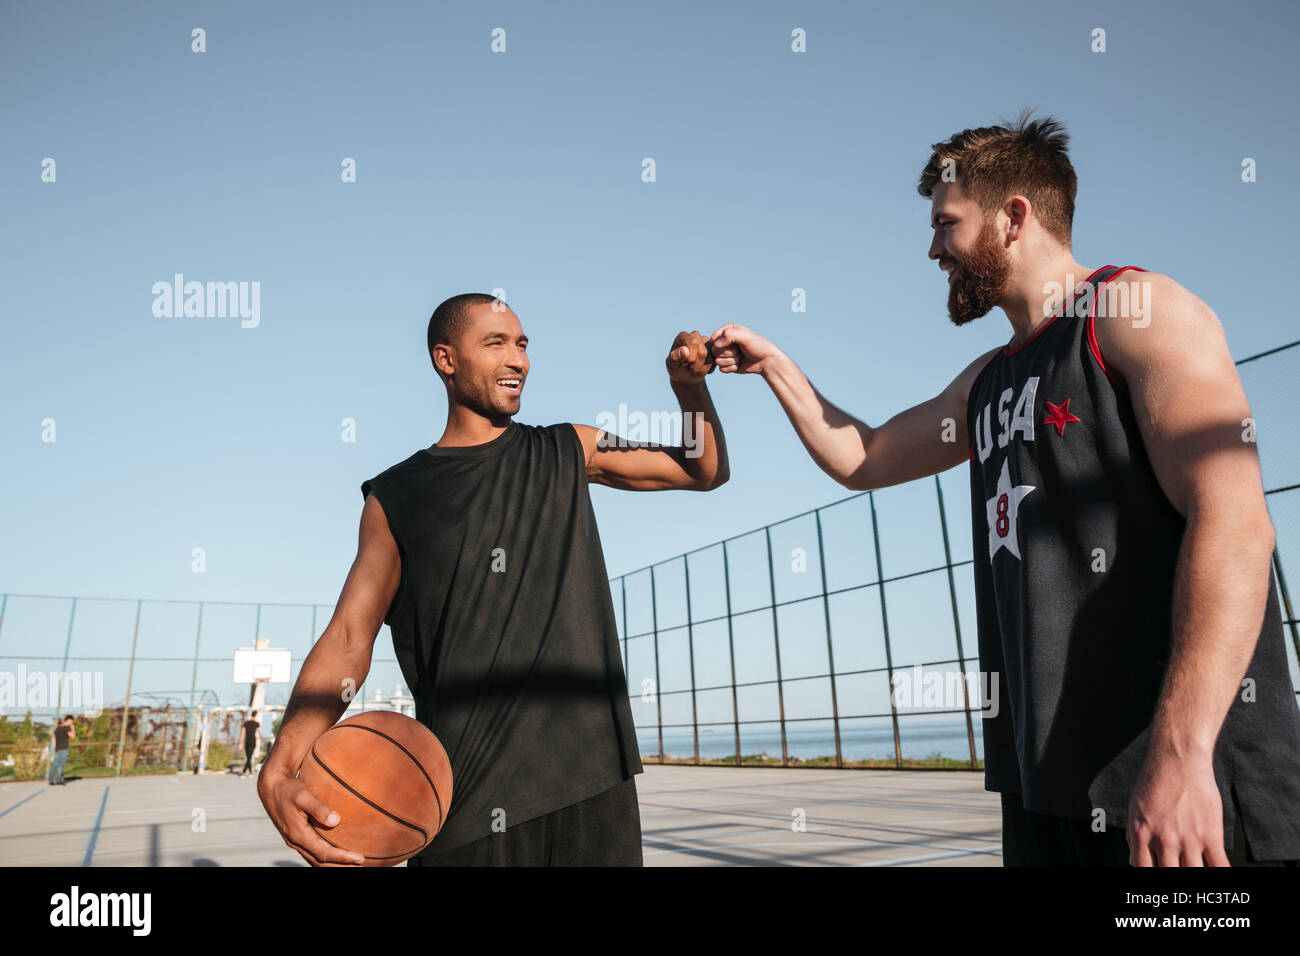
(836, 440)
(1220, 592)
(317, 701)
(705, 458)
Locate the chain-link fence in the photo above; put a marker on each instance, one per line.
(845, 636)
(142, 679)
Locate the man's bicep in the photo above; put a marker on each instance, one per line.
(923, 440)
(1189, 403)
(919, 441)
(373, 579)
(639, 467)
(632, 466)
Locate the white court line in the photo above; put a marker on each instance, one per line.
(722, 846)
(180, 848)
(110, 813)
(888, 827)
(787, 843)
(923, 859)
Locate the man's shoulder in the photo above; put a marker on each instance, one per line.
(397, 471)
(414, 460)
(1139, 313)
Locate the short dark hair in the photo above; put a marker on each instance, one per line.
(449, 318)
(1027, 157)
(254, 713)
(68, 717)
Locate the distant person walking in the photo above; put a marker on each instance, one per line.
(250, 735)
(64, 732)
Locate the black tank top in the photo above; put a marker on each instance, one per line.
(1076, 547)
(504, 627)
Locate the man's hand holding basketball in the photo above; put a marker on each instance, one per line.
(738, 349)
(690, 359)
(289, 803)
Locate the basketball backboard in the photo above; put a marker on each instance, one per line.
(254, 664)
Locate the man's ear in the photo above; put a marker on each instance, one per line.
(1017, 212)
(442, 360)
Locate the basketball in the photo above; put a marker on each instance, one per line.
(389, 779)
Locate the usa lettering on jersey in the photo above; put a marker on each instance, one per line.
(1003, 509)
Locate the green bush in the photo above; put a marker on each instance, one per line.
(30, 764)
(220, 755)
(97, 753)
(28, 754)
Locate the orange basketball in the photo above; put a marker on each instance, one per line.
(389, 779)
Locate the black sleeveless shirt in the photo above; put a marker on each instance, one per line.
(504, 627)
(1076, 547)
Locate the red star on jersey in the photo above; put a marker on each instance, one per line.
(1059, 416)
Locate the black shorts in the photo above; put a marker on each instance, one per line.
(1036, 839)
(604, 830)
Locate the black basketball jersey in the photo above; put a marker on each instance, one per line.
(1075, 548)
(504, 626)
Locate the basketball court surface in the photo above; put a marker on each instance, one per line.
(690, 816)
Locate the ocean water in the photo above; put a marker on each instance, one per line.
(919, 737)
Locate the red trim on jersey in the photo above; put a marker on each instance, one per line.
(1090, 326)
(1043, 328)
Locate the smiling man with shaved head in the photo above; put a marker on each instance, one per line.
(481, 553)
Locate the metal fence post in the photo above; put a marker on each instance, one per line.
(776, 642)
(257, 634)
(884, 621)
(130, 676)
(67, 644)
(830, 646)
(654, 626)
(627, 671)
(194, 681)
(956, 621)
(1286, 601)
(731, 647)
(690, 651)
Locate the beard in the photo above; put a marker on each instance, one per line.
(980, 279)
(489, 401)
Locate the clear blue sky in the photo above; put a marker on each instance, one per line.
(522, 171)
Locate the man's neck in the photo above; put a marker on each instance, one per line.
(465, 427)
(1040, 294)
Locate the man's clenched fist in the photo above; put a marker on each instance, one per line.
(690, 358)
(738, 349)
